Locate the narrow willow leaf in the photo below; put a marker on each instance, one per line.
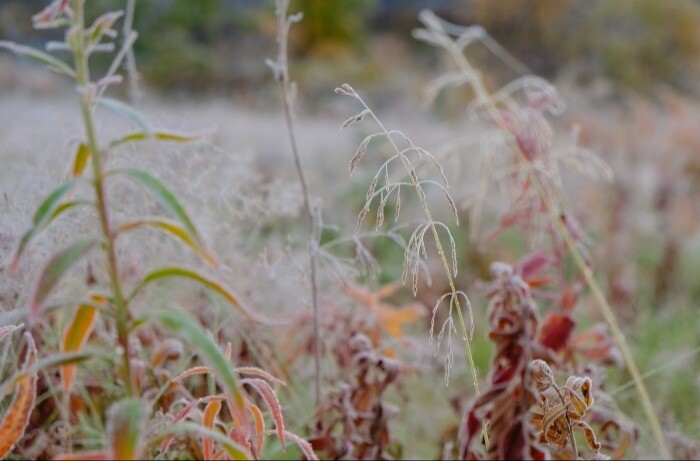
(37, 55)
(49, 209)
(210, 413)
(172, 228)
(260, 373)
(57, 266)
(171, 136)
(74, 338)
(80, 159)
(126, 424)
(16, 417)
(226, 293)
(233, 450)
(163, 195)
(125, 111)
(184, 325)
(103, 26)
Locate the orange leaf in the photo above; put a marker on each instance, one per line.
(17, 415)
(210, 412)
(270, 398)
(259, 427)
(74, 338)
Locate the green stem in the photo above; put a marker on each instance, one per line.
(86, 105)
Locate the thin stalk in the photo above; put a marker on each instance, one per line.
(284, 84)
(440, 250)
(86, 105)
(483, 96)
(132, 73)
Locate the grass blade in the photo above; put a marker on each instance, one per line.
(74, 338)
(57, 266)
(163, 195)
(172, 228)
(126, 424)
(225, 292)
(40, 56)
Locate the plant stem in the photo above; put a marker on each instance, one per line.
(86, 105)
(440, 250)
(284, 83)
(483, 96)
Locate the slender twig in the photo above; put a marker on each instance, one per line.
(281, 71)
(86, 107)
(484, 99)
(132, 73)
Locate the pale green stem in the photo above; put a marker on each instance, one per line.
(86, 105)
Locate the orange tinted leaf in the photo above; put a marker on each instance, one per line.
(74, 338)
(259, 427)
(210, 413)
(201, 370)
(126, 424)
(270, 398)
(261, 373)
(16, 417)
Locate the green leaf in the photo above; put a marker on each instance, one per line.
(40, 56)
(46, 213)
(187, 327)
(172, 228)
(162, 194)
(80, 160)
(57, 266)
(234, 450)
(126, 424)
(125, 111)
(161, 135)
(226, 293)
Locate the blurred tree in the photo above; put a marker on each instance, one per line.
(331, 26)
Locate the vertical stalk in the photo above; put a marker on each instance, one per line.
(282, 74)
(132, 73)
(81, 60)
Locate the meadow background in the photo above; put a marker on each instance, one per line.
(628, 70)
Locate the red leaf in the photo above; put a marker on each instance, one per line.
(556, 330)
(511, 444)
